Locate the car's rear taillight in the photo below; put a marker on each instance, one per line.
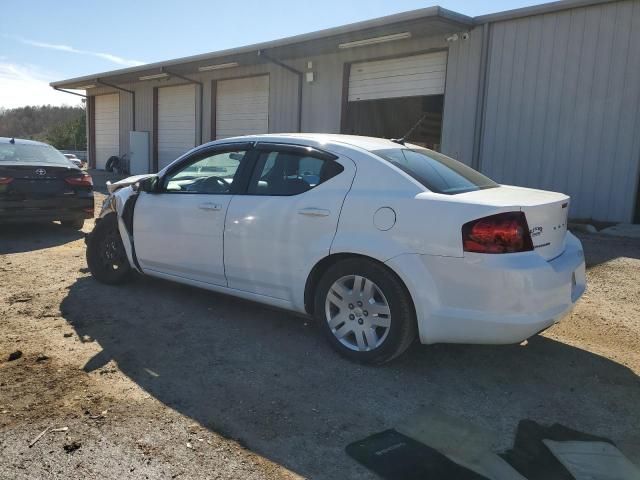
(501, 233)
(83, 180)
(5, 180)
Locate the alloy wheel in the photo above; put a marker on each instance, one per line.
(358, 313)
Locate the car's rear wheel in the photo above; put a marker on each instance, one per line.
(76, 223)
(365, 311)
(106, 257)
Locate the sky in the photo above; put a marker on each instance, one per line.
(43, 41)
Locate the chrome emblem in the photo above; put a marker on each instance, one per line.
(535, 231)
(41, 171)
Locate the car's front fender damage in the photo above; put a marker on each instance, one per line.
(121, 202)
(125, 225)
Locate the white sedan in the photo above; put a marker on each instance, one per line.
(73, 159)
(379, 240)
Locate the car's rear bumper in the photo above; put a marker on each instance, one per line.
(492, 299)
(39, 211)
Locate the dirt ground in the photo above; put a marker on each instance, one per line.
(156, 380)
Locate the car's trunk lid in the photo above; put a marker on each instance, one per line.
(546, 214)
(36, 181)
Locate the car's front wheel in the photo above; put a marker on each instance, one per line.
(365, 311)
(106, 257)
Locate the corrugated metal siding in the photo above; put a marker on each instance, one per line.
(283, 100)
(461, 97)
(561, 110)
(398, 77)
(144, 108)
(322, 99)
(126, 119)
(563, 106)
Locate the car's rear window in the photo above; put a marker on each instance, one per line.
(10, 152)
(437, 172)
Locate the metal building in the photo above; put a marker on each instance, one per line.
(545, 96)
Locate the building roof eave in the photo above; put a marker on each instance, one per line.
(441, 15)
(537, 10)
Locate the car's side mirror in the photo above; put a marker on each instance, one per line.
(149, 184)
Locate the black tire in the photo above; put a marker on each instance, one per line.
(112, 164)
(76, 223)
(106, 257)
(403, 326)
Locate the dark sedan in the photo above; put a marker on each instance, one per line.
(37, 183)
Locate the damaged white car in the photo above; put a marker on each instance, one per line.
(381, 241)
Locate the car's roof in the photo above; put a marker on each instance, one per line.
(21, 141)
(366, 143)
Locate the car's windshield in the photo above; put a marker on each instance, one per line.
(31, 153)
(437, 172)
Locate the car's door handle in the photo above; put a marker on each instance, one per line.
(314, 212)
(210, 206)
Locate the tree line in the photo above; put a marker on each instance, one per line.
(63, 127)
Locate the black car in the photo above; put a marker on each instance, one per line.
(38, 183)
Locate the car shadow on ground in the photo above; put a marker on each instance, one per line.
(27, 237)
(268, 378)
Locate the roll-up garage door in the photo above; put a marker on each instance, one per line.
(176, 122)
(107, 128)
(417, 75)
(242, 106)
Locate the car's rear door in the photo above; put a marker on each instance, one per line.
(178, 230)
(286, 221)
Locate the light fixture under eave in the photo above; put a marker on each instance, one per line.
(86, 87)
(220, 66)
(374, 40)
(153, 77)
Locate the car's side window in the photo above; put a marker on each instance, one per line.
(286, 173)
(210, 174)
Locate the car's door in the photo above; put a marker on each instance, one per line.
(178, 230)
(287, 219)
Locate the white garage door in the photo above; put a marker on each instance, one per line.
(398, 77)
(242, 106)
(176, 122)
(107, 128)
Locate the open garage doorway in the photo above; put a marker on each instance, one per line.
(387, 97)
(394, 117)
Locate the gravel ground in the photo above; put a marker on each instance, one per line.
(156, 380)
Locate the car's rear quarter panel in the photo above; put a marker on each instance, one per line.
(458, 297)
(426, 223)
